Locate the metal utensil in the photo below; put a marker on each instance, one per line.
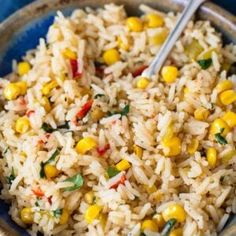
(161, 56)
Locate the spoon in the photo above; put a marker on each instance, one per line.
(163, 53)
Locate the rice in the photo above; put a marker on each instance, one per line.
(148, 132)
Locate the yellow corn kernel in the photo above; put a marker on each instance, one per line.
(201, 113)
(27, 215)
(64, 217)
(186, 90)
(138, 151)
(23, 87)
(227, 97)
(230, 118)
(151, 189)
(89, 197)
(123, 165)
(158, 196)
(11, 91)
(224, 85)
(67, 53)
(208, 54)
(48, 87)
(228, 156)
(85, 145)
(46, 104)
(123, 45)
(111, 56)
(134, 24)
(142, 83)
(159, 220)
(226, 66)
(22, 125)
(174, 211)
(173, 145)
(50, 171)
(23, 68)
(159, 38)
(169, 73)
(149, 225)
(219, 126)
(92, 213)
(211, 157)
(154, 20)
(193, 49)
(103, 220)
(96, 114)
(193, 146)
(176, 232)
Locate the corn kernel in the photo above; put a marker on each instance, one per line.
(224, 85)
(208, 54)
(228, 156)
(219, 126)
(85, 145)
(176, 232)
(67, 53)
(46, 104)
(159, 38)
(142, 83)
(230, 118)
(211, 157)
(23, 68)
(175, 211)
(92, 213)
(173, 145)
(169, 73)
(27, 215)
(227, 97)
(123, 45)
(149, 225)
(138, 151)
(201, 113)
(123, 165)
(11, 91)
(89, 197)
(193, 146)
(159, 220)
(154, 20)
(23, 87)
(48, 87)
(50, 171)
(64, 217)
(103, 220)
(186, 90)
(169, 133)
(22, 125)
(111, 56)
(151, 189)
(134, 24)
(97, 114)
(193, 49)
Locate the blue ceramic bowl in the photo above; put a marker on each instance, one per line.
(21, 32)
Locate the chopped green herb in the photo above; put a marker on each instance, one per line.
(51, 159)
(37, 204)
(168, 227)
(11, 178)
(47, 128)
(222, 178)
(64, 126)
(142, 234)
(77, 180)
(5, 151)
(57, 213)
(99, 95)
(205, 63)
(219, 138)
(112, 171)
(124, 111)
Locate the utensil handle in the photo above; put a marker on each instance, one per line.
(161, 56)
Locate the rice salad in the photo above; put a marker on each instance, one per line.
(90, 147)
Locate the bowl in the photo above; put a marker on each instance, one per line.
(21, 32)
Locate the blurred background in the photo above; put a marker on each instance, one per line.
(9, 6)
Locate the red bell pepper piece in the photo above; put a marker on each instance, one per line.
(139, 71)
(84, 110)
(38, 192)
(121, 181)
(101, 151)
(30, 112)
(74, 68)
